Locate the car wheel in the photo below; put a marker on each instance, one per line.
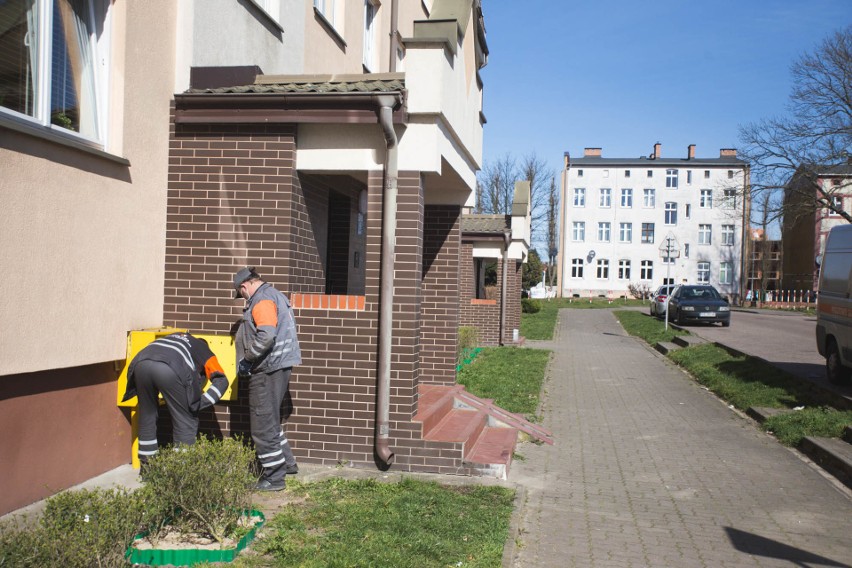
(834, 370)
(726, 323)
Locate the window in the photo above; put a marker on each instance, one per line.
(671, 213)
(704, 273)
(650, 173)
(730, 174)
(272, 8)
(837, 203)
(576, 268)
(668, 281)
(484, 276)
(606, 197)
(331, 11)
(687, 210)
(603, 268)
(648, 233)
(579, 234)
(579, 197)
(625, 232)
(53, 64)
(579, 173)
(705, 234)
(727, 235)
(706, 174)
(604, 232)
(627, 173)
(606, 173)
(685, 250)
(668, 260)
(624, 270)
(369, 57)
(646, 270)
(726, 272)
(671, 179)
(627, 198)
(731, 198)
(689, 177)
(649, 198)
(706, 201)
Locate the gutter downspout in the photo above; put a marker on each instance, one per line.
(383, 451)
(506, 241)
(393, 35)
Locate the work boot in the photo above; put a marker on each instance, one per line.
(291, 469)
(266, 485)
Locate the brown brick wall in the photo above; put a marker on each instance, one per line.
(485, 315)
(233, 200)
(440, 307)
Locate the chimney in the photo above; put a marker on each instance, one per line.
(690, 155)
(728, 153)
(567, 158)
(591, 152)
(658, 150)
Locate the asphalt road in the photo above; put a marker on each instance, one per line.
(785, 339)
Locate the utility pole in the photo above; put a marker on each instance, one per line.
(669, 250)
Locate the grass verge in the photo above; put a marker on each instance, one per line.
(746, 382)
(511, 376)
(340, 522)
(540, 325)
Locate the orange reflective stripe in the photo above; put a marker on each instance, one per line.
(212, 366)
(265, 313)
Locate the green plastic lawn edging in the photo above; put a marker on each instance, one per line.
(191, 556)
(468, 355)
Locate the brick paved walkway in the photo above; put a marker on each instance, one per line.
(651, 470)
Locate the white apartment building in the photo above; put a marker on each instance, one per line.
(652, 220)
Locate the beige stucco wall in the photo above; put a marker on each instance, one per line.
(83, 246)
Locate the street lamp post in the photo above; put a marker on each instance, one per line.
(669, 249)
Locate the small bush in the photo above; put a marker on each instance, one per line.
(208, 485)
(530, 306)
(468, 340)
(639, 291)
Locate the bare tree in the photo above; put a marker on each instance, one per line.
(552, 229)
(497, 186)
(793, 151)
(536, 171)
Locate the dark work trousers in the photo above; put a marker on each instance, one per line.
(266, 395)
(153, 377)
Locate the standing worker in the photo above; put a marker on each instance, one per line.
(267, 350)
(177, 367)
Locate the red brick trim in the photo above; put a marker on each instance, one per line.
(482, 302)
(327, 302)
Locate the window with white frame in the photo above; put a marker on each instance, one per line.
(730, 174)
(688, 177)
(837, 204)
(726, 272)
(54, 60)
(579, 173)
(627, 173)
(731, 198)
(704, 273)
(685, 250)
(648, 233)
(625, 232)
(603, 268)
(649, 198)
(627, 197)
(369, 56)
(650, 173)
(604, 229)
(687, 210)
(706, 201)
(668, 260)
(671, 213)
(271, 8)
(606, 197)
(728, 235)
(605, 173)
(624, 270)
(332, 12)
(579, 197)
(576, 268)
(705, 234)
(579, 231)
(646, 270)
(671, 179)
(706, 174)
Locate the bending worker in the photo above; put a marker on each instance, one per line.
(177, 367)
(267, 350)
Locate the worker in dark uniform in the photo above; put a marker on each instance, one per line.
(267, 350)
(176, 366)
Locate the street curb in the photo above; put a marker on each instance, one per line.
(520, 509)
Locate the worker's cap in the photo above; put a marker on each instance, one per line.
(241, 276)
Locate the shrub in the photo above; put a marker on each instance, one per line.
(530, 306)
(207, 485)
(639, 291)
(468, 339)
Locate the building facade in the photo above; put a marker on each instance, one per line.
(765, 262)
(652, 220)
(805, 227)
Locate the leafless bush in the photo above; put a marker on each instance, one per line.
(639, 291)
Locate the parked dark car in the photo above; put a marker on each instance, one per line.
(699, 304)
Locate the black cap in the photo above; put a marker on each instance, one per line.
(241, 276)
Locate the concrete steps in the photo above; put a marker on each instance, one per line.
(488, 433)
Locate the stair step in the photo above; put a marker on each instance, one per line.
(505, 418)
(494, 446)
(433, 404)
(458, 425)
(832, 454)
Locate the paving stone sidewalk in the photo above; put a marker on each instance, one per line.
(651, 470)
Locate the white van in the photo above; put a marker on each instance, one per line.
(834, 305)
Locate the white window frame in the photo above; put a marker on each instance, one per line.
(731, 198)
(671, 178)
(670, 218)
(577, 268)
(40, 121)
(579, 197)
(706, 199)
(728, 235)
(705, 234)
(645, 239)
(688, 177)
(606, 197)
(332, 12)
(604, 231)
(368, 60)
(624, 269)
(685, 250)
(578, 231)
(602, 269)
(649, 198)
(627, 198)
(726, 272)
(646, 270)
(703, 276)
(271, 8)
(837, 201)
(625, 232)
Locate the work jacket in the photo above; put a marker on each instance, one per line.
(192, 362)
(267, 336)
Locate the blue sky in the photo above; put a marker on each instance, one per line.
(621, 75)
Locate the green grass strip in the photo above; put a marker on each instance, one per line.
(650, 329)
(823, 422)
(511, 376)
(337, 523)
(540, 325)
